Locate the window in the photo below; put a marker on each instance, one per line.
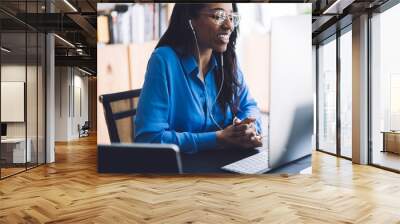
(327, 97)
(23, 76)
(346, 94)
(385, 87)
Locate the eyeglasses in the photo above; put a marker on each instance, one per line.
(220, 17)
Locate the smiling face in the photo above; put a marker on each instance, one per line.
(213, 33)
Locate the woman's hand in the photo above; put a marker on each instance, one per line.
(241, 133)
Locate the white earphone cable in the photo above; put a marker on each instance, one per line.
(219, 91)
(222, 83)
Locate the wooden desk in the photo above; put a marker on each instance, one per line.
(210, 161)
(391, 141)
(204, 162)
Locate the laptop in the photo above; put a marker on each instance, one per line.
(290, 98)
(291, 144)
(138, 158)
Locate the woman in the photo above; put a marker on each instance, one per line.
(194, 94)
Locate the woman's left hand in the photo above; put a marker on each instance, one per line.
(246, 132)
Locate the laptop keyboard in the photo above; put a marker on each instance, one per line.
(255, 164)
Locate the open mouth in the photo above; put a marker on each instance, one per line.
(223, 37)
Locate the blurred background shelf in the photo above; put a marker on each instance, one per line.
(121, 67)
(127, 35)
(132, 23)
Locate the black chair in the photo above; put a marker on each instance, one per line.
(84, 129)
(119, 112)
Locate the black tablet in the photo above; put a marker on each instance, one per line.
(138, 158)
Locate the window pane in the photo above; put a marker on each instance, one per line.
(386, 89)
(327, 97)
(346, 94)
(31, 97)
(14, 153)
(41, 98)
(22, 65)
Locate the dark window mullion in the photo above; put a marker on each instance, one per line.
(0, 95)
(37, 90)
(338, 98)
(26, 87)
(317, 95)
(369, 79)
(45, 86)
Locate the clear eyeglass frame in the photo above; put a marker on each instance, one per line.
(220, 16)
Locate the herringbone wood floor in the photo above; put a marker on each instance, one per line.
(71, 191)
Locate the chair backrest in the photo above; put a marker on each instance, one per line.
(119, 112)
(86, 125)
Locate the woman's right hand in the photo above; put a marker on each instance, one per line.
(243, 136)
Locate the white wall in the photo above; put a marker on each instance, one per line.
(79, 117)
(33, 126)
(71, 93)
(12, 73)
(12, 101)
(61, 103)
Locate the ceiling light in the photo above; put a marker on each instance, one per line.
(79, 51)
(5, 50)
(338, 6)
(70, 5)
(86, 72)
(65, 41)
